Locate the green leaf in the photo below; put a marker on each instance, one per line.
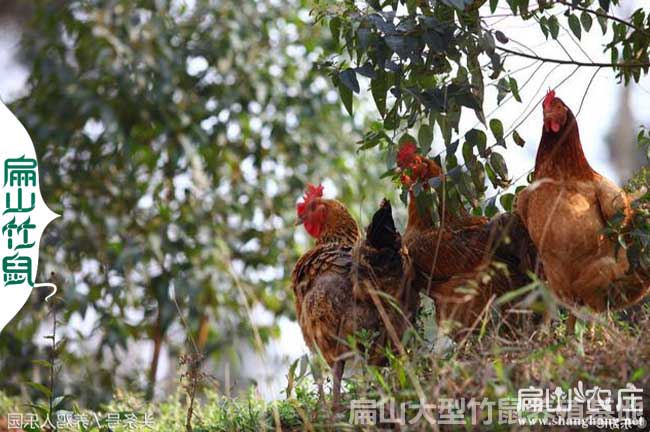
(478, 139)
(40, 362)
(466, 186)
(586, 20)
(411, 6)
(604, 4)
(638, 374)
(518, 139)
(349, 79)
(491, 208)
(346, 97)
(574, 25)
(41, 388)
(403, 196)
(543, 24)
(554, 26)
(379, 88)
(506, 201)
(392, 120)
(499, 164)
(60, 400)
(511, 295)
(445, 128)
(602, 20)
(291, 376)
(493, 5)
(523, 7)
(468, 152)
(497, 128)
(363, 38)
(478, 176)
(335, 28)
(491, 176)
(425, 138)
(614, 55)
(458, 4)
(488, 41)
(503, 87)
(514, 88)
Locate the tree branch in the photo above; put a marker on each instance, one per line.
(602, 15)
(573, 62)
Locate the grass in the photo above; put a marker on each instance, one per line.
(607, 351)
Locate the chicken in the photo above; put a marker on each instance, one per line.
(337, 282)
(566, 209)
(467, 259)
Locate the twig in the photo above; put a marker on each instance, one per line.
(52, 371)
(584, 96)
(193, 364)
(602, 15)
(573, 62)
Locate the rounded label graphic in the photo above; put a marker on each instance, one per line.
(23, 216)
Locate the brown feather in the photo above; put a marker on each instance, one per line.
(565, 211)
(336, 283)
(455, 262)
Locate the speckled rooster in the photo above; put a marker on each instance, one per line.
(346, 283)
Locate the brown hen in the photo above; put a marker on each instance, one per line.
(467, 260)
(566, 209)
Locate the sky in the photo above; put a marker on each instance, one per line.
(13, 75)
(595, 118)
(600, 92)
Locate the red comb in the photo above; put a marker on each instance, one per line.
(311, 193)
(406, 154)
(550, 95)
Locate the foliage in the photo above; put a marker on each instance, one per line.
(486, 365)
(428, 63)
(174, 141)
(633, 233)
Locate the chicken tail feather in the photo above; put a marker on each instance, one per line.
(381, 232)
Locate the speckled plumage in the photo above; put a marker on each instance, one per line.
(457, 266)
(332, 283)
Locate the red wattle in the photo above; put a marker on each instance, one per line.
(313, 229)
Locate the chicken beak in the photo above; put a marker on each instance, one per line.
(551, 121)
(298, 221)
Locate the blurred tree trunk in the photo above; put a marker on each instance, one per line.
(626, 157)
(14, 11)
(155, 359)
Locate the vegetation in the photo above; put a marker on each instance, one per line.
(174, 141)
(483, 367)
(429, 63)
